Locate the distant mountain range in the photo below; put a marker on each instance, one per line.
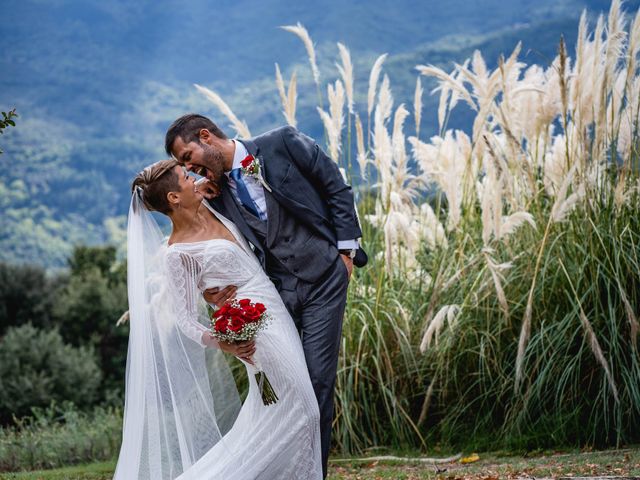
(97, 83)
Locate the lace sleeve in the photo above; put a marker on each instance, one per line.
(184, 272)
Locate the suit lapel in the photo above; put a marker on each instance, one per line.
(254, 150)
(251, 147)
(270, 200)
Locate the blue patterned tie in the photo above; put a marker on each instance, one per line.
(243, 192)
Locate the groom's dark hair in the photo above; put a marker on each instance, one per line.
(188, 128)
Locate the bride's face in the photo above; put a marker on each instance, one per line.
(188, 194)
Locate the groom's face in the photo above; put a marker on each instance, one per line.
(199, 157)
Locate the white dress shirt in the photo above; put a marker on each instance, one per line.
(255, 188)
(256, 191)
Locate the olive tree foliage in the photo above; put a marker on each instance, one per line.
(81, 305)
(7, 120)
(37, 368)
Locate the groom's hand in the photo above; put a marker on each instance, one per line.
(207, 188)
(242, 350)
(219, 297)
(348, 262)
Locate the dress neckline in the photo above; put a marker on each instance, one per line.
(205, 241)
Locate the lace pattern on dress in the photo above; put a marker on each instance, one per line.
(223, 261)
(183, 272)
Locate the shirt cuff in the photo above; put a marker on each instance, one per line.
(348, 244)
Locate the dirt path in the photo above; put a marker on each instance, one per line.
(611, 464)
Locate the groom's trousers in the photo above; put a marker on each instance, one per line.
(317, 309)
(314, 289)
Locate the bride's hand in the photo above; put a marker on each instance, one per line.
(207, 188)
(243, 350)
(215, 296)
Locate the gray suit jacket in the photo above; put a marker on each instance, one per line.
(316, 205)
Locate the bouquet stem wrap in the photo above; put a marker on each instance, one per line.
(268, 394)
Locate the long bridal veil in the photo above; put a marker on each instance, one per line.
(180, 398)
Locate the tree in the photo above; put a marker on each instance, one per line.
(27, 295)
(37, 367)
(88, 306)
(7, 120)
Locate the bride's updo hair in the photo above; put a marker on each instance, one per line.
(154, 182)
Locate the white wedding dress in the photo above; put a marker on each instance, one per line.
(279, 441)
(180, 403)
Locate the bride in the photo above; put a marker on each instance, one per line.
(182, 416)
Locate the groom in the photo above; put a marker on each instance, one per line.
(292, 204)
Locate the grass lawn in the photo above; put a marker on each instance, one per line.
(490, 466)
(94, 471)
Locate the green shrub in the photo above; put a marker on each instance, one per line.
(60, 435)
(37, 367)
(26, 295)
(87, 308)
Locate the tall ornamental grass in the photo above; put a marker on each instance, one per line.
(500, 306)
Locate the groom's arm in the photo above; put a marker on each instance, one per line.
(323, 172)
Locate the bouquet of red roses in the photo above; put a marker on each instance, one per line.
(240, 321)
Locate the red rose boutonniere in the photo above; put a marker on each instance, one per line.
(251, 167)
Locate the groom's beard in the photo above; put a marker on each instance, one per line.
(212, 164)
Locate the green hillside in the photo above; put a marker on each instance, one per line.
(96, 84)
